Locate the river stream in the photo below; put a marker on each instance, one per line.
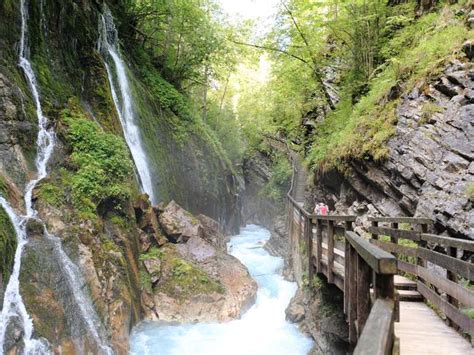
(261, 330)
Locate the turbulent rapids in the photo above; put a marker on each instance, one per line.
(261, 330)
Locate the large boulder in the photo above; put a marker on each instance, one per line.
(193, 278)
(178, 224)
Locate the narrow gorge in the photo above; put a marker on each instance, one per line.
(155, 155)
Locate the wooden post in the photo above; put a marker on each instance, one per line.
(309, 244)
(394, 240)
(319, 245)
(352, 296)
(452, 251)
(330, 252)
(347, 263)
(422, 244)
(375, 224)
(364, 273)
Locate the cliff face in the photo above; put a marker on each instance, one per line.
(89, 199)
(429, 171)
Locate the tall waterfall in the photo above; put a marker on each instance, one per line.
(109, 47)
(14, 309)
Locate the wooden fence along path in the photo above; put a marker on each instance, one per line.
(405, 291)
(385, 278)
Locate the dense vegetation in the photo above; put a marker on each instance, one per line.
(327, 76)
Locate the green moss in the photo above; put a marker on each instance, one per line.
(51, 193)
(145, 281)
(182, 279)
(470, 191)
(428, 110)
(100, 162)
(153, 253)
(8, 245)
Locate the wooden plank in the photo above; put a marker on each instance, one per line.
(352, 303)
(379, 260)
(348, 218)
(309, 241)
(330, 251)
(364, 276)
(449, 242)
(460, 293)
(377, 336)
(319, 244)
(395, 233)
(463, 268)
(461, 319)
(394, 248)
(347, 266)
(375, 225)
(413, 220)
(422, 332)
(406, 267)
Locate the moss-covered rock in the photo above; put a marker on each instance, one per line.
(8, 245)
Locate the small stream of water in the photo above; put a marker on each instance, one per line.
(108, 45)
(261, 330)
(14, 309)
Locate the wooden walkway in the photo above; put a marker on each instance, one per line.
(381, 306)
(422, 332)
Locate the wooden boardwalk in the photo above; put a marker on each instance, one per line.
(422, 332)
(381, 306)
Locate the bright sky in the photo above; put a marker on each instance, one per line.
(249, 9)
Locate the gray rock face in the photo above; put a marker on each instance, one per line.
(430, 167)
(15, 131)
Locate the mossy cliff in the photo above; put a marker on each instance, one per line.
(88, 198)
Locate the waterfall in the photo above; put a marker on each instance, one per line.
(108, 46)
(13, 305)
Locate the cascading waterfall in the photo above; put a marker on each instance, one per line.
(13, 305)
(108, 45)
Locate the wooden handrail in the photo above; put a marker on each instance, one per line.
(377, 336)
(412, 220)
(379, 260)
(449, 242)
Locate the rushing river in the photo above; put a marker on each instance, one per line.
(261, 330)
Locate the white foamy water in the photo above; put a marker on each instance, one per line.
(13, 306)
(261, 330)
(109, 47)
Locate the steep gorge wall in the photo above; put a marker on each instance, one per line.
(429, 171)
(189, 167)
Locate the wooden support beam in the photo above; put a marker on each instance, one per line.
(309, 244)
(352, 296)
(374, 225)
(319, 245)
(364, 276)
(330, 274)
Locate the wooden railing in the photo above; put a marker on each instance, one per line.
(417, 253)
(353, 264)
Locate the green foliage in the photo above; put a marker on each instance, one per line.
(278, 185)
(51, 193)
(360, 131)
(428, 110)
(8, 245)
(470, 191)
(153, 253)
(100, 161)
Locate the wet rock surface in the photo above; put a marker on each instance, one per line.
(197, 280)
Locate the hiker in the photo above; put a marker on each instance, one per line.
(323, 209)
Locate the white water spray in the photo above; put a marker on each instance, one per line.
(261, 330)
(108, 45)
(13, 305)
